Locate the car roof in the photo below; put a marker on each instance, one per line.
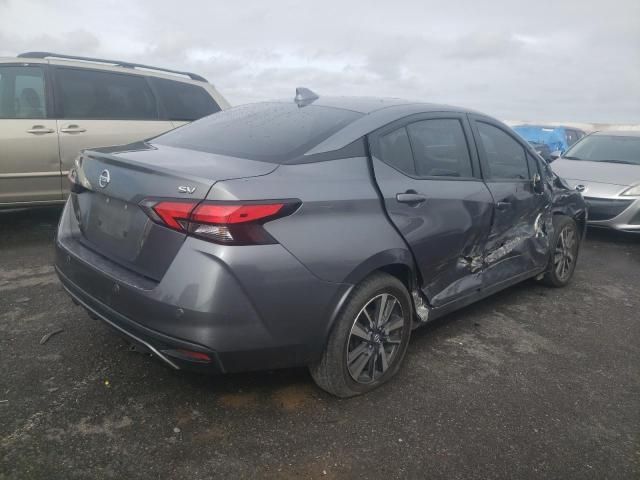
(618, 133)
(551, 127)
(376, 113)
(367, 105)
(150, 72)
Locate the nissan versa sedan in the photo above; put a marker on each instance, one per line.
(605, 167)
(315, 232)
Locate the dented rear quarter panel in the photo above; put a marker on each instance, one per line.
(340, 232)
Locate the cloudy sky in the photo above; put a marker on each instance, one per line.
(573, 60)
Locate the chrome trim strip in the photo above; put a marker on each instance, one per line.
(55, 173)
(32, 204)
(122, 330)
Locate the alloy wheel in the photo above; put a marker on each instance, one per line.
(375, 338)
(565, 253)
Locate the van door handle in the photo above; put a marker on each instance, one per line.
(503, 205)
(73, 129)
(37, 129)
(410, 198)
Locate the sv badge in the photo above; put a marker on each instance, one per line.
(186, 189)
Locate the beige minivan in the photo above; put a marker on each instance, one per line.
(52, 106)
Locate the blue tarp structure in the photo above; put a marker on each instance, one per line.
(553, 137)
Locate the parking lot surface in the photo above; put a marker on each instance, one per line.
(530, 383)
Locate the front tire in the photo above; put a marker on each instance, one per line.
(368, 340)
(564, 252)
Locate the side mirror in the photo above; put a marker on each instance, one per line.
(555, 155)
(538, 184)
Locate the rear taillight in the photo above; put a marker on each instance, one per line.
(221, 222)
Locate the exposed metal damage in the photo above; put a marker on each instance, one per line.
(422, 310)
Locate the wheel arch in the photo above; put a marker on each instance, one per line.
(396, 262)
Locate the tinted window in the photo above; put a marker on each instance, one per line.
(572, 137)
(92, 94)
(440, 148)
(505, 156)
(22, 92)
(271, 132)
(183, 101)
(395, 150)
(603, 148)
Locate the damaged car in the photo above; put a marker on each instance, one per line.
(316, 232)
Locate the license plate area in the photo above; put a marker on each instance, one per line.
(113, 226)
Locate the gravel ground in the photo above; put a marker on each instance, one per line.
(531, 383)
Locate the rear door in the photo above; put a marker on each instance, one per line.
(99, 108)
(517, 243)
(430, 181)
(29, 157)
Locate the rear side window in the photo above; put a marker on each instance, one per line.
(395, 150)
(270, 132)
(22, 92)
(506, 158)
(92, 94)
(440, 148)
(183, 101)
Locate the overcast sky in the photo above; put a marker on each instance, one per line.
(528, 60)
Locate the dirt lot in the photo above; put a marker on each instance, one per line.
(533, 382)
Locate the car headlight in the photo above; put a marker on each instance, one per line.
(632, 191)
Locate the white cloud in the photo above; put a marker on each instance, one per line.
(576, 60)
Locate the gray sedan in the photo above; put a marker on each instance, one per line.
(313, 232)
(605, 168)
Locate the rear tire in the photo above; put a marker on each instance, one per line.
(564, 252)
(368, 340)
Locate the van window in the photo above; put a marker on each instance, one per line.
(93, 94)
(440, 148)
(22, 92)
(183, 101)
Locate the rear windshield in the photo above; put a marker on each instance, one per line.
(269, 132)
(605, 148)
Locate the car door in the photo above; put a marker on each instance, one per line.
(517, 244)
(99, 108)
(29, 157)
(430, 181)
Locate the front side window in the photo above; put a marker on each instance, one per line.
(183, 101)
(440, 148)
(22, 92)
(505, 157)
(92, 94)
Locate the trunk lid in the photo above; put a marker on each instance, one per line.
(117, 179)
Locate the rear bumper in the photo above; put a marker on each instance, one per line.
(248, 308)
(616, 213)
(149, 340)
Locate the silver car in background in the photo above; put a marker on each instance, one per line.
(605, 168)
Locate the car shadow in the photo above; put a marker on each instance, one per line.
(297, 382)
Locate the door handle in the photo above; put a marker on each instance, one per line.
(73, 129)
(38, 129)
(410, 198)
(503, 205)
